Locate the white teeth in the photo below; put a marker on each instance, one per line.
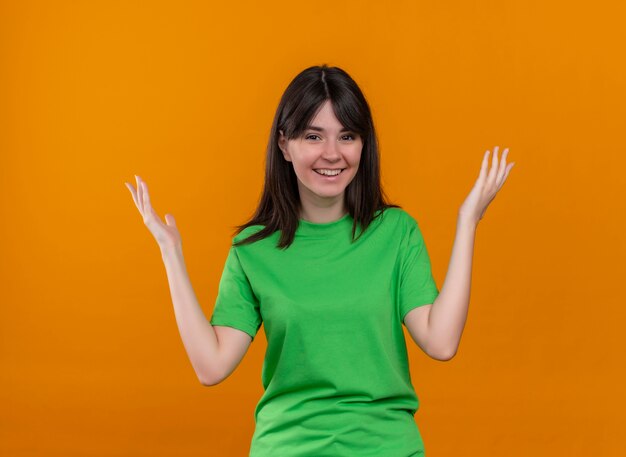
(328, 172)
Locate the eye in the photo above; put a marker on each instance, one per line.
(350, 136)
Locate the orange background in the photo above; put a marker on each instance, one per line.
(183, 94)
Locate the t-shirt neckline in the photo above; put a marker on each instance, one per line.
(324, 228)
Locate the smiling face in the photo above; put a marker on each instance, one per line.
(324, 149)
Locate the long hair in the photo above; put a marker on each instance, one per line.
(279, 206)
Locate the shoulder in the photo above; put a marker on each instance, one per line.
(400, 217)
(257, 248)
(248, 231)
(403, 226)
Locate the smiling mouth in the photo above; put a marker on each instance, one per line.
(329, 174)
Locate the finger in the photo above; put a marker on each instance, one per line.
(139, 194)
(494, 166)
(133, 193)
(502, 167)
(146, 199)
(147, 206)
(506, 174)
(150, 212)
(169, 220)
(141, 190)
(483, 168)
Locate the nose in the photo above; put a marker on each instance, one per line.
(331, 151)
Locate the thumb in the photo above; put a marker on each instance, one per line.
(169, 220)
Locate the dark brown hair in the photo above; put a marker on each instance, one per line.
(279, 206)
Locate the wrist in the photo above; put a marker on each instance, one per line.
(171, 250)
(467, 221)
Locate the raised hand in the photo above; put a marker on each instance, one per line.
(486, 187)
(166, 235)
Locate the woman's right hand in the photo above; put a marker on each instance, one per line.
(166, 235)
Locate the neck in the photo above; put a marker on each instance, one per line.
(322, 215)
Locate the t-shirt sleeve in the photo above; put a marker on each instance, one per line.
(236, 304)
(417, 285)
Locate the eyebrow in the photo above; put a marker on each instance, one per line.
(320, 129)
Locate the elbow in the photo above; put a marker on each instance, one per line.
(442, 349)
(443, 355)
(208, 381)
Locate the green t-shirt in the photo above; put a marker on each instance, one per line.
(336, 373)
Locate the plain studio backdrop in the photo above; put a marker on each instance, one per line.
(183, 94)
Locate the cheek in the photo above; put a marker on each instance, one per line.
(303, 170)
(355, 158)
(304, 163)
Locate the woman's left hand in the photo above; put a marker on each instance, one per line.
(486, 187)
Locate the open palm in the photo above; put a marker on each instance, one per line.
(487, 186)
(167, 234)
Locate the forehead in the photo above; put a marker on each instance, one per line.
(325, 120)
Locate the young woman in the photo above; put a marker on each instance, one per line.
(332, 270)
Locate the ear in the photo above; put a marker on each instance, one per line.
(282, 144)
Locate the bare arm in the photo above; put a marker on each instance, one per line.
(214, 351)
(448, 314)
(437, 328)
(198, 335)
